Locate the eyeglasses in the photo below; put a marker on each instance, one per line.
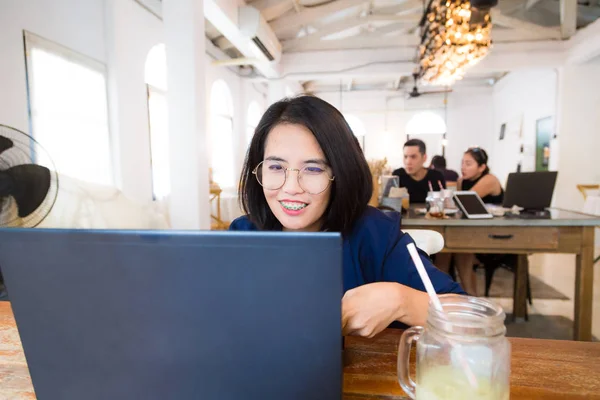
(312, 179)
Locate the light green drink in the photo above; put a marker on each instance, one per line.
(450, 383)
(462, 352)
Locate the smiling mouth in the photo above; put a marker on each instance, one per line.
(293, 205)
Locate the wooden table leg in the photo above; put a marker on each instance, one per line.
(520, 289)
(584, 287)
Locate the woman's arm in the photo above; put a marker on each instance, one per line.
(399, 296)
(369, 309)
(488, 185)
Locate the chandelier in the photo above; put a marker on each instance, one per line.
(455, 35)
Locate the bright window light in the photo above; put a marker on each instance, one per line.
(69, 112)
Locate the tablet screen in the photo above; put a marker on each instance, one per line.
(472, 204)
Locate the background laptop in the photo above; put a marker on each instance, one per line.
(530, 190)
(166, 315)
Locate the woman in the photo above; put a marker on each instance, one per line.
(305, 171)
(476, 176)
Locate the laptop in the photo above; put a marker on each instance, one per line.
(530, 190)
(177, 315)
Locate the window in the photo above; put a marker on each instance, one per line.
(221, 134)
(430, 128)
(358, 128)
(158, 119)
(426, 123)
(68, 110)
(252, 119)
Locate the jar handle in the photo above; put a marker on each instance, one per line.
(408, 337)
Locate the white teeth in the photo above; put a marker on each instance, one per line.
(293, 206)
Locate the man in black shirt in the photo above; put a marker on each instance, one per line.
(414, 177)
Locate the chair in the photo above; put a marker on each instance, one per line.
(430, 242)
(590, 206)
(84, 205)
(491, 262)
(217, 222)
(585, 189)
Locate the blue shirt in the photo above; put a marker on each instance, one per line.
(375, 251)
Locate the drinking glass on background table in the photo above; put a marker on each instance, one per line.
(470, 328)
(406, 201)
(435, 204)
(386, 183)
(402, 194)
(391, 194)
(447, 197)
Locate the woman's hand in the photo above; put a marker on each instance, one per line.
(369, 309)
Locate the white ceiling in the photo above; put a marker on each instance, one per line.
(324, 27)
(356, 24)
(303, 25)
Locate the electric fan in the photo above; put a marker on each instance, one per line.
(28, 189)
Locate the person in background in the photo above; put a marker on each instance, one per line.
(417, 179)
(305, 172)
(438, 163)
(476, 176)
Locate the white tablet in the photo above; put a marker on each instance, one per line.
(471, 205)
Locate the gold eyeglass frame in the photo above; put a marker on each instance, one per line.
(255, 173)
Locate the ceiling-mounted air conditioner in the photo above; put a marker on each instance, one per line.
(253, 26)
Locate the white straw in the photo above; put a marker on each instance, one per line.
(414, 254)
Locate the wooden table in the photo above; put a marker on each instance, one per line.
(541, 369)
(564, 232)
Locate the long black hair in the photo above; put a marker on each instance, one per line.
(353, 185)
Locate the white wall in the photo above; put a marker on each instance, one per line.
(136, 31)
(78, 25)
(242, 94)
(118, 33)
(384, 117)
(578, 133)
(251, 91)
(571, 96)
(131, 32)
(519, 100)
(469, 121)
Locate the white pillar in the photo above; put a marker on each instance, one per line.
(185, 47)
(113, 92)
(128, 111)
